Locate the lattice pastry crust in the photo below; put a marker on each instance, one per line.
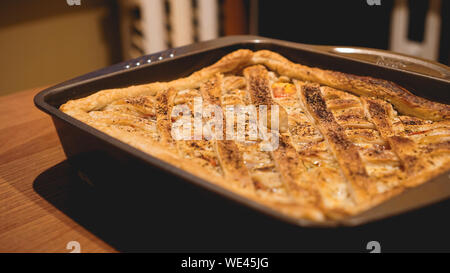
(346, 142)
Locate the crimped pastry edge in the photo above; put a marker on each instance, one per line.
(404, 102)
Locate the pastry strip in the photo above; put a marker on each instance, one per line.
(285, 156)
(230, 158)
(346, 152)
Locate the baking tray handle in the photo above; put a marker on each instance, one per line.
(391, 59)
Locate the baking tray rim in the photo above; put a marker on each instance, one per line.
(41, 103)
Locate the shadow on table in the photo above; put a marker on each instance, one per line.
(131, 215)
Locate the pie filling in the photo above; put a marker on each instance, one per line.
(345, 143)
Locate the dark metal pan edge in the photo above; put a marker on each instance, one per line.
(40, 102)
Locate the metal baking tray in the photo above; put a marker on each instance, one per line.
(100, 157)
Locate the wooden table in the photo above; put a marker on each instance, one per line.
(29, 148)
(44, 205)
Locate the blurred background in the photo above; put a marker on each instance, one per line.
(43, 42)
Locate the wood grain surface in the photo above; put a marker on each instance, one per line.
(32, 172)
(44, 205)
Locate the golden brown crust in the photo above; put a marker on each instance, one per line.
(414, 161)
(404, 101)
(231, 160)
(344, 150)
(343, 147)
(285, 157)
(163, 121)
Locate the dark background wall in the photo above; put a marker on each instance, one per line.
(43, 42)
(349, 22)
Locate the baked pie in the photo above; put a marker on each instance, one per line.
(345, 143)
